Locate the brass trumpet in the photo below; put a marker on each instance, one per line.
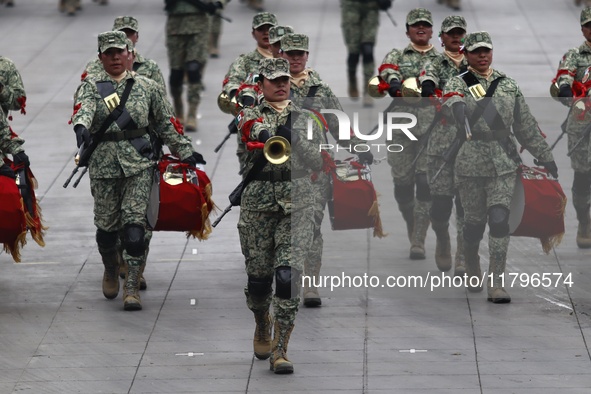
(277, 150)
(411, 90)
(372, 88)
(226, 104)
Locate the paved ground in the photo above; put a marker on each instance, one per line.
(59, 335)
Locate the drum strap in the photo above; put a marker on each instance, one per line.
(111, 99)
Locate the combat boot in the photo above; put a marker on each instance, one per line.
(123, 272)
(191, 121)
(280, 364)
(262, 341)
(473, 266)
(177, 102)
(311, 295)
(459, 267)
(213, 45)
(584, 235)
(352, 90)
(443, 246)
(131, 287)
(110, 259)
(496, 269)
(407, 211)
(417, 247)
(454, 4)
(581, 204)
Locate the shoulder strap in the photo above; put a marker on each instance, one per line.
(116, 112)
(308, 101)
(489, 93)
(107, 92)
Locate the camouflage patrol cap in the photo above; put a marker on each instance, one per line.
(130, 46)
(294, 42)
(274, 68)
(112, 39)
(125, 22)
(419, 15)
(264, 18)
(585, 15)
(276, 32)
(452, 22)
(480, 39)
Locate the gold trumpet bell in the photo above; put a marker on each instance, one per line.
(277, 150)
(225, 104)
(411, 90)
(373, 87)
(554, 90)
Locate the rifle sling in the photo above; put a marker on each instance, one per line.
(110, 98)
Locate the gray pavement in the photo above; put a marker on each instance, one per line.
(59, 335)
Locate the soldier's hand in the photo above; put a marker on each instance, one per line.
(395, 88)
(248, 101)
(5, 170)
(198, 158)
(285, 132)
(550, 166)
(82, 135)
(565, 94)
(365, 157)
(384, 4)
(264, 135)
(21, 158)
(427, 89)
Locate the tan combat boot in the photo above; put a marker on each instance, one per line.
(311, 296)
(352, 90)
(473, 272)
(262, 341)
(584, 234)
(177, 102)
(213, 45)
(191, 121)
(443, 246)
(280, 364)
(407, 211)
(459, 267)
(110, 259)
(496, 270)
(131, 287)
(417, 247)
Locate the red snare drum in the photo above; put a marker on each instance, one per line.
(537, 208)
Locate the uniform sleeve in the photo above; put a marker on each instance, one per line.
(236, 75)
(85, 104)
(308, 150)
(567, 68)
(156, 75)
(453, 92)
(430, 72)
(527, 131)
(9, 141)
(389, 69)
(12, 95)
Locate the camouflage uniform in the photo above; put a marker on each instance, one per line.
(121, 178)
(215, 31)
(12, 91)
(276, 223)
(275, 34)
(484, 170)
(439, 71)
(400, 65)
(360, 20)
(187, 34)
(9, 141)
(576, 66)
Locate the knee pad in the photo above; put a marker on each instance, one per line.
(106, 239)
(403, 194)
(286, 283)
(194, 69)
(582, 183)
(133, 239)
(498, 221)
(473, 232)
(441, 208)
(367, 52)
(459, 206)
(352, 61)
(176, 78)
(259, 287)
(423, 190)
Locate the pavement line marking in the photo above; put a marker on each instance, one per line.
(192, 301)
(556, 303)
(412, 351)
(189, 354)
(194, 251)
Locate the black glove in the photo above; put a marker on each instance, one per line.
(21, 158)
(384, 4)
(459, 111)
(194, 159)
(198, 158)
(395, 88)
(233, 93)
(264, 135)
(550, 166)
(5, 170)
(82, 135)
(248, 101)
(565, 94)
(284, 132)
(211, 8)
(427, 89)
(365, 157)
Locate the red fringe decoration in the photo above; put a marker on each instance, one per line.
(387, 66)
(23, 103)
(178, 126)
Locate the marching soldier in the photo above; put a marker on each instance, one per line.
(359, 22)
(575, 69)
(276, 223)
(12, 90)
(187, 36)
(398, 66)
(435, 75)
(486, 164)
(120, 168)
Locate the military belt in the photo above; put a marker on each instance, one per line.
(125, 135)
(494, 135)
(280, 176)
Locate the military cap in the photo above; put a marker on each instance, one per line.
(480, 39)
(452, 22)
(294, 42)
(276, 32)
(274, 68)
(585, 15)
(125, 22)
(264, 18)
(419, 15)
(130, 46)
(112, 39)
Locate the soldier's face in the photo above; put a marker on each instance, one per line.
(297, 61)
(276, 49)
(275, 89)
(480, 59)
(420, 33)
(586, 29)
(452, 40)
(132, 35)
(114, 60)
(261, 35)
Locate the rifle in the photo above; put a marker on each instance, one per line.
(78, 161)
(586, 132)
(449, 156)
(425, 137)
(232, 129)
(234, 198)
